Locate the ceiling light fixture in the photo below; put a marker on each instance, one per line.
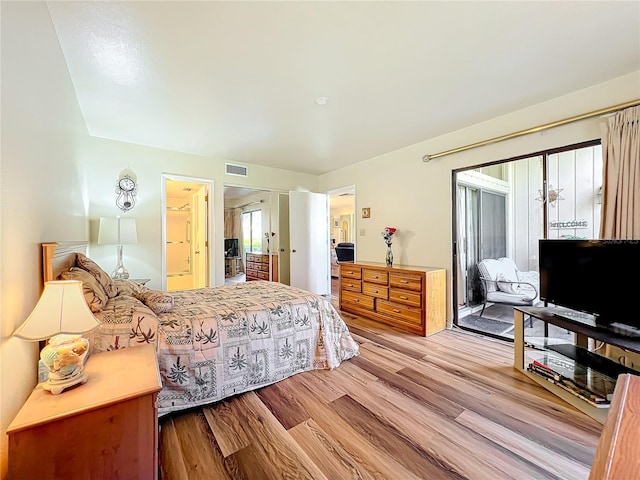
(321, 100)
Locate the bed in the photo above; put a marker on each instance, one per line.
(213, 342)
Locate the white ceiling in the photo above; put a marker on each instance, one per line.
(238, 79)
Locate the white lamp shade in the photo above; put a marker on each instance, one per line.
(62, 308)
(117, 231)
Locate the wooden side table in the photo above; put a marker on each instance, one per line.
(106, 428)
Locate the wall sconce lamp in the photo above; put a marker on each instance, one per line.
(118, 231)
(61, 315)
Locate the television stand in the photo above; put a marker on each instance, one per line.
(577, 354)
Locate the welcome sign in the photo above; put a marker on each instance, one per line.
(572, 224)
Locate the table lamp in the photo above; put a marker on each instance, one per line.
(61, 315)
(118, 231)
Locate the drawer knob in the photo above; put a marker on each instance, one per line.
(396, 310)
(404, 281)
(357, 300)
(375, 276)
(349, 284)
(375, 291)
(402, 297)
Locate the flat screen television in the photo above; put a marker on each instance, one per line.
(230, 247)
(597, 277)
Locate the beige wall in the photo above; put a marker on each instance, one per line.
(415, 197)
(102, 161)
(43, 196)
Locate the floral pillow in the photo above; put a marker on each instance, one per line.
(94, 294)
(129, 287)
(100, 275)
(156, 300)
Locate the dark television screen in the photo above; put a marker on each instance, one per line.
(599, 277)
(230, 247)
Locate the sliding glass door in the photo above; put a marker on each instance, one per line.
(503, 209)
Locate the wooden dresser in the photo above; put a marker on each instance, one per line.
(258, 264)
(411, 298)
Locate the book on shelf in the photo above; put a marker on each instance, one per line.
(569, 384)
(591, 379)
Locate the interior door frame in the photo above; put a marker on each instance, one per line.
(210, 224)
(338, 191)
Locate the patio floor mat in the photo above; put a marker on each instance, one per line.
(488, 325)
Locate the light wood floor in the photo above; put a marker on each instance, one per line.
(449, 406)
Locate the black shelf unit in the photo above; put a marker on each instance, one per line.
(579, 354)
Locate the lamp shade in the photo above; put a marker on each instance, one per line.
(117, 231)
(62, 308)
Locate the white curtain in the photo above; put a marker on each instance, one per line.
(621, 176)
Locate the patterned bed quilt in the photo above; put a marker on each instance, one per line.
(220, 341)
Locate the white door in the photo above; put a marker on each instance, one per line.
(309, 240)
(200, 260)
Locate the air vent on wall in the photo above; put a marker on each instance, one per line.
(239, 170)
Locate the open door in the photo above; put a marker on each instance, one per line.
(309, 241)
(186, 255)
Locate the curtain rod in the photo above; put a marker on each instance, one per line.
(546, 126)
(250, 203)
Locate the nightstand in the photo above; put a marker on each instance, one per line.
(106, 428)
(141, 281)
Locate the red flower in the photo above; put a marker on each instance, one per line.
(391, 229)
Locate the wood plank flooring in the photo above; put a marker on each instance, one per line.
(449, 406)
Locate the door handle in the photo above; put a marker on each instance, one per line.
(293, 251)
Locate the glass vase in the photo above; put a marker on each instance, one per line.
(389, 256)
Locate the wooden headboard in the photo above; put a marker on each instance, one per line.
(59, 256)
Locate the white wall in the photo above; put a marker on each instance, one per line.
(44, 195)
(415, 197)
(103, 159)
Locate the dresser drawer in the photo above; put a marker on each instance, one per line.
(352, 285)
(252, 258)
(375, 290)
(357, 300)
(375, 276)
(263, 267)
(413, 299)
(408, 314)
(264, 259)
(406, 280)
(263, 275)
(351, 272)
(251, 272)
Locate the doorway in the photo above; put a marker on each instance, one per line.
(342, 227)
(186, 233)
(255, 220)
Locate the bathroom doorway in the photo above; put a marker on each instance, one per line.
(186, 233)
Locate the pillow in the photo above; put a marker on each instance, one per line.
(129, 287)
(93, 292)
(504, 284)
(100, 275)
(157, 301)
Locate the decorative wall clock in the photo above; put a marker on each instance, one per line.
(126, 190)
